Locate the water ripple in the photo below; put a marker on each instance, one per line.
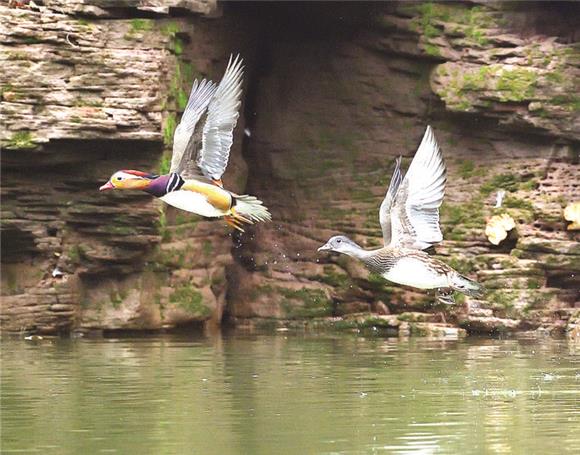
(289, 394)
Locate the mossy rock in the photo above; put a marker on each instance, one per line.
(190, 300)
(333, 276)
(20, 140)
(305, 303)
(468, 88)
(302, 303)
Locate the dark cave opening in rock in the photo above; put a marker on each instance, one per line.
(281, 34)
(299, 36)
(17, 245)
(564, 279)
(554, 18)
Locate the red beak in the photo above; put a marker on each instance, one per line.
(107, 186)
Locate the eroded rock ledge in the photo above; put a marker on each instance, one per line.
(93, 86)
(501, 94)
(88, 89)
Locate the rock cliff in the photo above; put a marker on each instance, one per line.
(333, 93)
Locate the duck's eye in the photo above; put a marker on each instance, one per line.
(338, 240)
(119, 179)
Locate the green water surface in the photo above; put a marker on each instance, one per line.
(289, 394)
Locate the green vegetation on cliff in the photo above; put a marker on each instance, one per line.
(21, 140)
(189, 299)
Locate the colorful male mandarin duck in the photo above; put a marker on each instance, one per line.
(409, 217)
(200, 156)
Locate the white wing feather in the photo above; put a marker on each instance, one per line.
(385, 210)
(183, 145)
(415, 210)
(222, 116)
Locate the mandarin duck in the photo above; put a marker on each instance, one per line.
(409, 217)
(200, 157)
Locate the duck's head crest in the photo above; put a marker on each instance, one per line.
(340, 244)
(128, 180)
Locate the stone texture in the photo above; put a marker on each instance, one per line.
(327, 151)
(82, 98)
(120, 8)
(89, 87)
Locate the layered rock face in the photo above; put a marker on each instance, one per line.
(86, 91)
(333, 94)
(354, 89)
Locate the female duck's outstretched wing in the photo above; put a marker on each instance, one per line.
(186, 140)
(211, 145)
(385, 210)
(415, 208)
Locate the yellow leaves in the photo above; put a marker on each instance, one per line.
(572, 214)
(498, 226)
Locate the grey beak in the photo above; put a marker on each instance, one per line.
(325, 247)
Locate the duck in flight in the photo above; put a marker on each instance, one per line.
(409, 217)
(200, 156)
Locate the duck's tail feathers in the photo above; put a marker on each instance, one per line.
(247, 209)
(466, 285)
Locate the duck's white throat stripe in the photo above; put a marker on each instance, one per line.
(174, 183)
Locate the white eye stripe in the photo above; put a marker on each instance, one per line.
(124, 176)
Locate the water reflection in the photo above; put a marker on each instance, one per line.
(289, 394)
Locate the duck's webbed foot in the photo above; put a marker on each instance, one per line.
(445, 295)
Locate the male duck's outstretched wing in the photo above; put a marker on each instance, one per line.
(415, 208)
(211, 144)
(186, 139)
(385, 210)
(222, 116)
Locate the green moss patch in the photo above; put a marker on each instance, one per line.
(466, 88)
(333, 278)
(162, 227)
(517, 203)
(141, 25)
(172, 29)
(164, 164)
(507, 182)
(180, 85)
(169, 129)
(570, 102)
(516, 84)
(189, 299)
(138, 27)
(518, 209)
(467, 169)
(299, 303)
(476, 21)
(117, 297)
(461, 264)
(314, 303)
(428, 16)
(432, 49)
(504, 301)
(207, 248)
(77, 254)
(469, 213)
(21, 140)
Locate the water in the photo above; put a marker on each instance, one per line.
(289, 394)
